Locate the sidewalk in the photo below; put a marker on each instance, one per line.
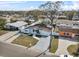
(62, 48)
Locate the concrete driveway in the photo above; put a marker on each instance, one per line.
(62, 46)
(42, 45)
(13, 38)
(8, 35)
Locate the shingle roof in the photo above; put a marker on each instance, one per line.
(17, 24)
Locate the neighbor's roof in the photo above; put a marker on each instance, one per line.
(67, 22)
(17, 24)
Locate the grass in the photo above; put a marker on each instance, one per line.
(54, 45)
(26, 41)
(72, 49)
(3, 32)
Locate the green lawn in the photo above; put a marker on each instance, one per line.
(54, 45)
(3, 32)
(72, 49)
(26, 41)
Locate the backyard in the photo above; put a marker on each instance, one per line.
(25, 40)
(54, 45)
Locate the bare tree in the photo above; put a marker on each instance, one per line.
(52, 9)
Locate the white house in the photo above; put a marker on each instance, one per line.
(15, 25)
(35, 31)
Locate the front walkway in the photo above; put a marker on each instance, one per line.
(62, 48)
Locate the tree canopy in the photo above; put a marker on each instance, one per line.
(52, 8)
(2, 23)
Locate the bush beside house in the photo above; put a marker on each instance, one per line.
(2, 23)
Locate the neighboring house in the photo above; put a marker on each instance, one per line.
(76, 17)
(72, 24)
(15, 25)
(70, 29)
(62, 17)
(30, 18)
(67, 34)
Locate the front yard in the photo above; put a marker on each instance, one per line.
(25, 40)
(54, 45)
(3, 32)
(72, 49)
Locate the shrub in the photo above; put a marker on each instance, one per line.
(2, 23)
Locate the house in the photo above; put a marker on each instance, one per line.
(30, 19)
(62, 17)
(38, 30)
(35, 30)
(32, 31)
(69, 29)
(67, 34)
(15, 25)
(76, 17)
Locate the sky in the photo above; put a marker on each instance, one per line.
(30, 5)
